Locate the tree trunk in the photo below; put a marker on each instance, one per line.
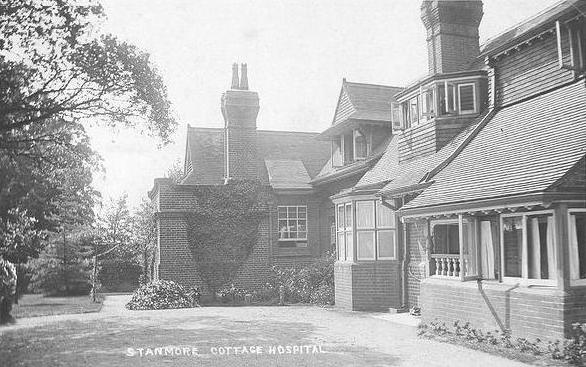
(94, 276)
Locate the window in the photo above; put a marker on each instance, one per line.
(414, 111)
(467, 94)
(454, 252)
(577, 233)
(572, 55)
(337, 152)
(348, 148)
(292, 225)
(528, 246)
(360, 145)
(344, 241)
(375, 231)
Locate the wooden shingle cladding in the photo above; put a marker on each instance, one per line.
(531, 70)
(525, 148)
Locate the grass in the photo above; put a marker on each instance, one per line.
(33, 305)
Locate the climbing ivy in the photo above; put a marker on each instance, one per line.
(223, 229)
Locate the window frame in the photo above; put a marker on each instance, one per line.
(343, 230)
(574, 282)
(296, 219)
(474, 99)
(524, 280)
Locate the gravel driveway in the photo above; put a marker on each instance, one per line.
(228, 336)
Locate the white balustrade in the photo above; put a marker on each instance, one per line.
(447, 265)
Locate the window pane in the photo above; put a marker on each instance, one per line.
(386, 244)
(301, 225)
(365, 245)
(578, 245)
(540, 251)
(488, 243)
(385, 217)
(283, 229)
(349, 246)
(292, 212)
(470, 266)
(446, 239)
(348, 216)
(302, 235)
(364, 214)
(341, 217)
(282, 212)
(341, 247)
(360, 145)
(513, 246)
(301, 212)
(466, 98)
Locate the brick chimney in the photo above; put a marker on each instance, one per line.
(240, 109)
(452, 33)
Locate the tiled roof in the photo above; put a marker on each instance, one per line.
(524, 148)
(533, 26)
(206, 148)
(287, 174)
(362, 101)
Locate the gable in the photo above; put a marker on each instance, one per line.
(344, 108)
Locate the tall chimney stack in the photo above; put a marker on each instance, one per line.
(452, 33)
(240, 108)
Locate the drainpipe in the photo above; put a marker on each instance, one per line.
(405, 302)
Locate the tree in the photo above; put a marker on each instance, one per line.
(56, 66)
(64, 268)
(144, 237)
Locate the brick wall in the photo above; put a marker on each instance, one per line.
(527, 312)
(416, 270)
(368, 286)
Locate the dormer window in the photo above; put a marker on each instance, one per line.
(572, 56)
(360, 145)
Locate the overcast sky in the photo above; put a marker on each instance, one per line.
(297, 53)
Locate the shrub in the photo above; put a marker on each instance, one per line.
(158, 295)
(231, 292)
(313, 283)
(119, 275)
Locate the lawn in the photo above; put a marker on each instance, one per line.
(32, 305)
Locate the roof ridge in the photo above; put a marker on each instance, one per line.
(289, 132)
(374, 85)
(571, 3)
(189, 127)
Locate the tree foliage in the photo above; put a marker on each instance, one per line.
(55, 65)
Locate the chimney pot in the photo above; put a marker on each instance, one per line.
(235, 76)
(244, 77)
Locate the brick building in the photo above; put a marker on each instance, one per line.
(463, 193)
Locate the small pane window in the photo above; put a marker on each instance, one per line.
(348, 216)
(292, 223)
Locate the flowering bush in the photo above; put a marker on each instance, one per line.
(572, 350)
(162, 294)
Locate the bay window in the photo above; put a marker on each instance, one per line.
(292, 220)
(375, 231)
(577, 234)
(528, 246)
